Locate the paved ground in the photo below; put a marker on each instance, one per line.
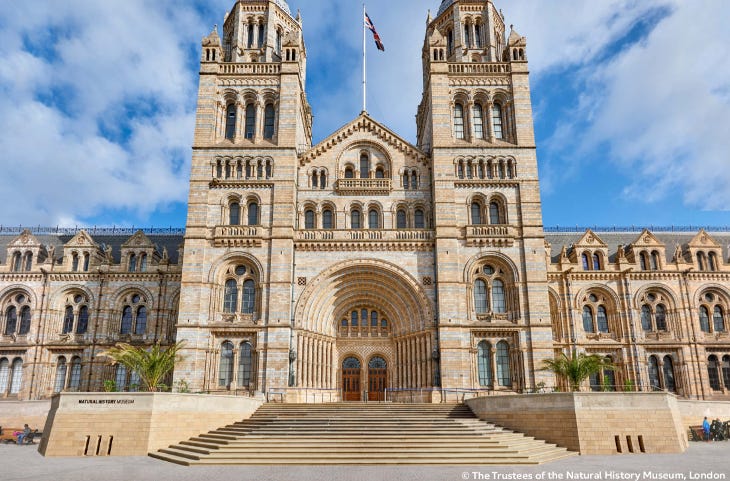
(713, 459)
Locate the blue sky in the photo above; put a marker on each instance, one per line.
(631, 101)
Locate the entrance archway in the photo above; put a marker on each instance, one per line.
(377, 379)
(351, 371)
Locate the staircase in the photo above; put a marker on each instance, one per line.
(361, 434)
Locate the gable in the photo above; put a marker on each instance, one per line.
(647, 239)
(81, 239)
(703, 239)
(378, 132)
(25, 240)
(139, 239)
(591, 240)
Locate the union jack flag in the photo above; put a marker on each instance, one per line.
(369, 24)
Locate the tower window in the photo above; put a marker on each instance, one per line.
(467, 35)
(250, 121)
(230, 122)
(419, 220)
(401, 219)
(497, 121)
(478, 35)
(261, 35)
(327, 220)
(234, 214)
(478, 122)
(309, 219)
(355, 219)
(458, 121)
(269, 121)
(373, 219)
(250, 35)
(476, 213)
(364, 166)
(253, 213)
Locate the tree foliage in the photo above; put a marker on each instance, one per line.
(577, 368)
(152, 365)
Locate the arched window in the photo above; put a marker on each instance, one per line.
(586, 262)
(354, 319)
(234, 214)
(225, 370)
(68, 320)
(244, 365)
(309, 219)
(588, 319)
(87, 258)
(379, 173)
(602, 319)
(143, 262)
(231, 122)
(16, 262)
(609, 376)
(373, 319)
(406, 184)
(713, 261)
(74, 262)
(460, 170)
(420, 222)
(373, 219)
(261, 35)
(478, 35)
(269, 122)
(24, 321)
(364, 166)
(120, 378)
(322, 180)
(497, 121)
(450, 42)
(503, 372)
(269, 172)
(126, 326)
(704, 319)
(83, 325)
(61, 369)
(259, 170)
(654, 373)
(249, 40)
(480, 297)
(401, 219)
(355, 219)
(476, 213)
(478, 122)
(250, 121)
(655, 261)
(646, 318)
(140, 326)
(596, 262)
(253, 213)
(713, 373)
(28, 261)
(701, 261)
(4, 375)
(249, 297)
(669, 374)
(133, 262)
(327, 219)
(484, 364)
(498, 301)
(494, 217)
(315, 180)
(458, 121)
(661, 318)
(11, 320)
(414, 180)
(230, 296)
(644, 258)
(718, 319)
(74, 382)
(278, 43)
(349, 173)
(467, 35)
(16, 382)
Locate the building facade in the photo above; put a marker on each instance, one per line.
(365, 263)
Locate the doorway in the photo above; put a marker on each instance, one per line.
(351, 371)
(377, 378)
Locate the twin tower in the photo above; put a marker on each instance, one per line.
(364, 266)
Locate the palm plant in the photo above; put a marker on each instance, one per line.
(152, 365)
(576, 368)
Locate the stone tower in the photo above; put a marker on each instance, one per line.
(252, 120)
(475, 122)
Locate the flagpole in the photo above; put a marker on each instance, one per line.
(364, 62)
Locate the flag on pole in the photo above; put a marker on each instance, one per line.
(369, 24)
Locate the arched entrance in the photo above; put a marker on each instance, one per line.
(377, 379)
(351, 371)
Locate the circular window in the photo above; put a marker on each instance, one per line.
(651, 297)
(240, 270)
(489, 270)
(135, 298)
(20, 299)
(78, 298)
(710, 297)
(593, 298)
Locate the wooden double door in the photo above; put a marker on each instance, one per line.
(377, 379)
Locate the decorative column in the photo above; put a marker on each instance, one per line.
(490, 121)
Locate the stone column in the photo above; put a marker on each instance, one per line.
(490, 122)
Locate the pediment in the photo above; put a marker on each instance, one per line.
(81, 239)
(378, 132)
(25, 239)
(590, 239)
(139, 239)
(437, 39)
(647, 239)
(703, 239)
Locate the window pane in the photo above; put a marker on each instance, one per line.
(646, 318)
(126, 326)
(230, 296)
(231, 122)
(270, 116)
(654, 373)
(484, 364)
(17, 377)
(225, 371)
(497, 121)
(458, 121)
(60, 381)
(718, 320)
(503, 370)
(309, 219)
(704, 319)
(253, 214)
(24, 321)
(141, 325)
(75, 381)
(401, 219)
(364, 166)
(354, 319)
(327, 219)
(602, 319)
(669, 374)
(478, 122)
(68, 320)
(587, 319)
(373, 319)
(83, 324)
(244, 365)
(713, 374)
(11, 320)
(355, 219)
(374, 221)
(419, 220)
(480, 296)
(234, 217)
(132, 263)
(120, 378)
(476, 213)
(249, 297)
(596, 262)
(498, 300)
(494, 217)
(250, 121)
(661, 318)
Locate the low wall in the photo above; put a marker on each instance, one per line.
(134, 424)
(14, 414)
(591, 423)
(693, 412)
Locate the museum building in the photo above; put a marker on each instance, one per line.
(365, 267)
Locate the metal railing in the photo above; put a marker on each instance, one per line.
(40, 230)
(635, 229)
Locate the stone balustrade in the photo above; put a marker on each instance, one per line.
(364, 186)
(479, 68)
(250, 68)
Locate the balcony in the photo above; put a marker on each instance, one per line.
(490, 235)
(237, 236)
(250, 68)
(479, 68)
(364, 186)
(364, 239)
